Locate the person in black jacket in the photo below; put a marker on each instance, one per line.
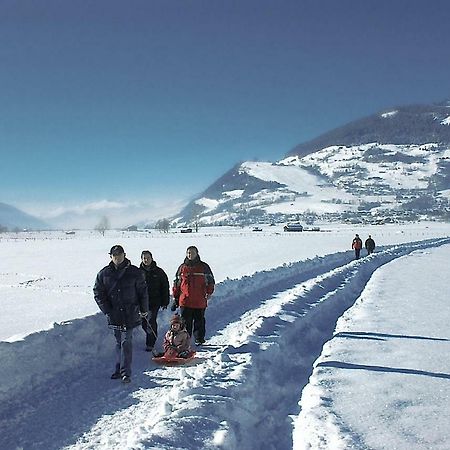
(158, 296)
(121, 293)
(370, 245)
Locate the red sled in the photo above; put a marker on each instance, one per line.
(162, 359)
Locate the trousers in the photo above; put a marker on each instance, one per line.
(124, 351)
(195, 322)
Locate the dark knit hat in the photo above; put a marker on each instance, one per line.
(176, 319)
(116, 250)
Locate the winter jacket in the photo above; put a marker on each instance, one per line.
(176, 341)
(194, 282)
(157, 285)
(121, 294)
(357, 244)
(370, 244)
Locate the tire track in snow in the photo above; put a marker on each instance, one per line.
(213, 404)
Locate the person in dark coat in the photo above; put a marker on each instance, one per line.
(370, 245)
(158, 296)
(357, 245)
(192, 287)
(121, 294)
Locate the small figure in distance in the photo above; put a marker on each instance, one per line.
(370, 245)
(357, 245)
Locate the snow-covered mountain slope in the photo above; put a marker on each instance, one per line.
(384, 179)
(12, 218)
(395, 164)
(390, 175)
(242, 391)
(400, 125)
(268, 188)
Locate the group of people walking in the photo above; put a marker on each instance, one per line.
(357, 245)
(132, 296)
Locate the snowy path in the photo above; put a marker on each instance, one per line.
(265, 332)
(390, 354)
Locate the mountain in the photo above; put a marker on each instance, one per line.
(414, 124)
(394, 165)
(117, 214)
(91, 215)
(12, 218)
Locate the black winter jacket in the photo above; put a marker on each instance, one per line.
(157, 285)
(370, 244)
(121, 294)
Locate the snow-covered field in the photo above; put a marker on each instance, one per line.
(306, 348)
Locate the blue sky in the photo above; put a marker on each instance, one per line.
(153, 100)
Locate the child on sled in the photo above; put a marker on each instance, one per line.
(177, 340)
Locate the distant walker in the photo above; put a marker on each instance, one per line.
(357, 245)
(370, 245)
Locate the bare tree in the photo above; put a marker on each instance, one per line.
(196, 223)
(103, 225)
(163, 225)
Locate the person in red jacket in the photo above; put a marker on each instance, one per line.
(357, 245)
(192, 287)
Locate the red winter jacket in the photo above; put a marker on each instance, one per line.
(194, 282)
(357, 243)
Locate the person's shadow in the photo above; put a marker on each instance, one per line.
(382, 336)
(344, 365)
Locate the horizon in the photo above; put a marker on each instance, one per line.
(147, 105)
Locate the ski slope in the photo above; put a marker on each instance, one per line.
(266, 334)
